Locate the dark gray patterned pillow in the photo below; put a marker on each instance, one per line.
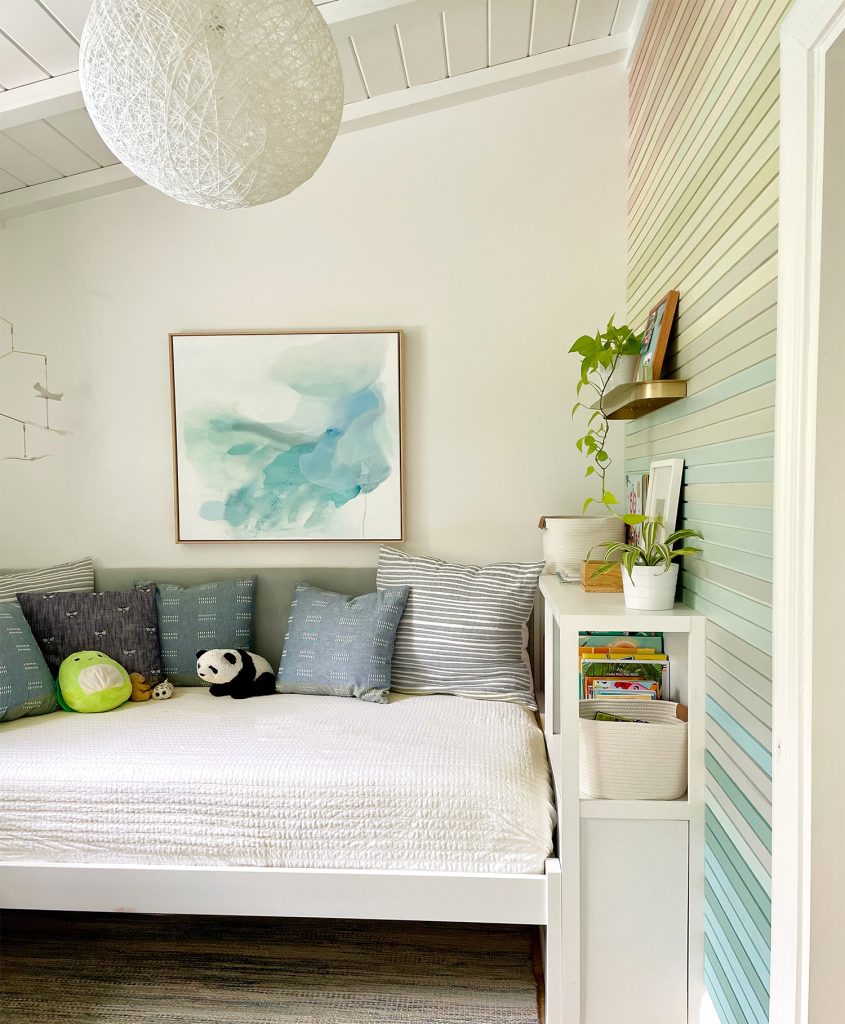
(121, 624)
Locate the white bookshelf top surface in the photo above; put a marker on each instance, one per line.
(569, 601)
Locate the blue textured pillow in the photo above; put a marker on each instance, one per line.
(203, 617)
(339, 646)
(26, 686)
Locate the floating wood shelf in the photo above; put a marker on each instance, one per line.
(630, 401)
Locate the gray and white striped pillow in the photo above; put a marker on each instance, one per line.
(464, 628)
(69, 576)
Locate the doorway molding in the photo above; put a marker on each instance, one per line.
(807, 33)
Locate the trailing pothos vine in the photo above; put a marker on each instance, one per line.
(599, 357)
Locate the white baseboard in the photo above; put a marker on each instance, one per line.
(708, 1013)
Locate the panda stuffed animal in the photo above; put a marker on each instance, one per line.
(237, 673)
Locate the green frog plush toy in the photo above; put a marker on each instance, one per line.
(92, 681)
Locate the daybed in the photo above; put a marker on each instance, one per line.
(435, 808)
(431, 808)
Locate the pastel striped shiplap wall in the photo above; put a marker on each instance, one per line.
(703, 191)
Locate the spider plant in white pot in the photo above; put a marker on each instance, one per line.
(649, 569)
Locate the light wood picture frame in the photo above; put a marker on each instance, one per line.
(287, 435)
(656, 335)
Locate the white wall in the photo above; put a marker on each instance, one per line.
(827, 896)
(492, 233)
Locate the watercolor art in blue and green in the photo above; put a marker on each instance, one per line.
(288, 436)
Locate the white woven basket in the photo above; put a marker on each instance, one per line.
(632, 760)
(567, 540)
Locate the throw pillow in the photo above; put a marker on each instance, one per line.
(121, 624)
(204, 617)
(69, 576)
(340, 646)
(26, 686)
(464, 628)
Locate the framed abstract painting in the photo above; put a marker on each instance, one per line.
(287, 435)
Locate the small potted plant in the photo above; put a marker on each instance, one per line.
(649, 569)
(606, 358)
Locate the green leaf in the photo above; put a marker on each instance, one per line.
(682, 535)
(602, 456)
(575, 409)
(602, 569)
(579, 444)
(630, 559)
(609, 498)
(633, 519)
(584, 345)
(590, 470)
(587, 504)
(683, 552)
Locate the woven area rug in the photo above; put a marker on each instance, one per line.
(133, 969)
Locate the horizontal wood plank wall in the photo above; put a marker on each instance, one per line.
(703, 187)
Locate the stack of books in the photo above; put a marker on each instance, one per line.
(623, 665)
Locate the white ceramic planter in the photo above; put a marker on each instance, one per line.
(626, 368)
(651, 589)
(567, 540)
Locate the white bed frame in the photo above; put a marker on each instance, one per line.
(553, 900)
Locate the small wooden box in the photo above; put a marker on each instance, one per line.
(609, 583)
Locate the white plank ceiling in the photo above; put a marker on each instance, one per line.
(391, 47)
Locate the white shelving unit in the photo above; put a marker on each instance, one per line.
(632, 871)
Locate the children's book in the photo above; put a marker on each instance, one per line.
(620, 654)
(649, 673)
(598, 686)
(651, 641)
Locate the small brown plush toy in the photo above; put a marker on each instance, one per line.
(141, 689)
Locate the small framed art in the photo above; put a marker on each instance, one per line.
(287, 435)
(636, 494)
(658, 330)
(664, 492)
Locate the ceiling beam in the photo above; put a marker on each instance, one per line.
(41, 99)
(392, 106)
(345, 10)
(515, 74)
(73, 189)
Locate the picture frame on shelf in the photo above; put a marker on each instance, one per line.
(658, 330)
(636, 492)
(664, 492)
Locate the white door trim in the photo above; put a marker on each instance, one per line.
(808, 32)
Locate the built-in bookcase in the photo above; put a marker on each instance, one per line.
(632, 871)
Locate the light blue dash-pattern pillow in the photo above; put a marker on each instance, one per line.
(26, 686)
(339, 646)
(201, 618)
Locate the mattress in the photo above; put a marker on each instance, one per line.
(425, 783)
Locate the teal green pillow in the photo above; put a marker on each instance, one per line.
(26, 685)
(201, 618)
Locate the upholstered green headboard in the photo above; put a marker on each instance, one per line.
(274, 592)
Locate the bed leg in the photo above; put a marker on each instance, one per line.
(553, 947)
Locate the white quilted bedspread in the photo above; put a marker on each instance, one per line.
(430, 783)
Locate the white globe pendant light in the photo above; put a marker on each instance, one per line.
(218, 103)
